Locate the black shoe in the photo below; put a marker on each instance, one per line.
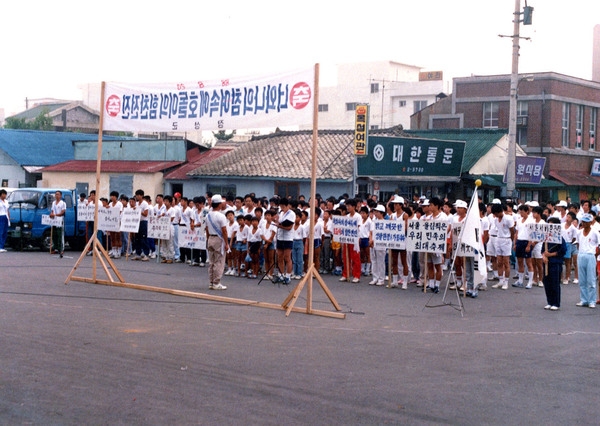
(436, 289)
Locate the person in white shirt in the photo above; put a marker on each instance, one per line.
(569, 233)
(505, 226)
(232, 227)
(536, 252)
(522, 246)
(58, 209)
(116, 244)
(299, 233)
(168, 247)
(350, 252)
(588, 241)
(435, 260)
(378, 258)
(254, 243)
(365, 226)
(285, 240)
(140, 240)
(4, 219)
(216, 242)
(268, 233)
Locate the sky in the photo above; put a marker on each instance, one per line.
(51, 49)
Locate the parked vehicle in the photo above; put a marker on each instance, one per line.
(27, 205)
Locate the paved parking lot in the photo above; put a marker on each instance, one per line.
(93, 354)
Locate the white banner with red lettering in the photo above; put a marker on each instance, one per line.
(284, 99)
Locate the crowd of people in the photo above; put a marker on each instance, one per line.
(261, 237)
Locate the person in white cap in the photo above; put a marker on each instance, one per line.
(588, 241)
(378, 254)
(505, 226)
(455, 223)
(217, 242)
(397, 203)
(561, 211)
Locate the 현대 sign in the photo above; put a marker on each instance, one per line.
(411, 158)
(228, 103)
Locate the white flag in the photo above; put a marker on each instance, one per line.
(471, 236)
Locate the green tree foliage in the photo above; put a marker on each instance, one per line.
(222, 136)
(41, 122)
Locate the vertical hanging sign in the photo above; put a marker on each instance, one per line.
(361, 129)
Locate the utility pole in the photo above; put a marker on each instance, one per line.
(511, 164)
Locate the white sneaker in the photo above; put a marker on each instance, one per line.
(373, 281)
(404, 286)
(505, 286)
(482, 287)
(565, 282)
(144, 258)
(497, 285)
(219, 287)
(343, 279)
(540, 284)
(152, 255)
(355, 280)
(2, 250)
(575, 281)
(379, 283)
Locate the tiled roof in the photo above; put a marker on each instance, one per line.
(40, 148)
(477, 141)
(195, 159)
(288, 155)
(38, 109)
(112, 166)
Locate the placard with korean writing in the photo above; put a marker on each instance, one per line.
(464, 250)
(85, 213)
(345, 229)
(361, 129)
(109, 219)
(545, 232)
(411, 157)
(283, 99)
(159, 227)
(193, 239)
(130, 220)
(389, 234)
(56, 221)
(427, 235)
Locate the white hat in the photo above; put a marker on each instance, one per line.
(397, 199)
(562, 203)
(461, 204)
(425, 202)
(380, 208)
(216, 199)
(534, 204)
(496, 201)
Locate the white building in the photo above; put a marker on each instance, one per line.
(393, 90)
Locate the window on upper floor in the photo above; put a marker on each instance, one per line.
(566, 108)
(402, 104)
(374, 87)
(522, 117)
(323, 107)
(351, 106)
(579, 127)
(419, 105)
(593, 120)
(490, 115)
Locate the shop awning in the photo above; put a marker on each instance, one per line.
(575, 178)
(496, 181)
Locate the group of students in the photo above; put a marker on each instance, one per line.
(271, 237)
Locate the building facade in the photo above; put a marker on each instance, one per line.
(557, 118)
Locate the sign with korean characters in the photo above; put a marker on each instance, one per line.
(528, 169)
(345, 229)
(465, 250)
(228, 103)
(109, 219)
(130, 220)
(545, 232)
(411, 158)
(427, 235)
(193, 239)
(361, 129)
(389, 234)
(159, 227)
(85, 213)
(56, 221)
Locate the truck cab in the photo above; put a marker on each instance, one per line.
(27, 205)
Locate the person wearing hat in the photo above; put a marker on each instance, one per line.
(503, 244)
(553, 258)
(397, 203)
(560, 211)
(216, 242)
(588, 241)
(462, 261)
(522, 246)
(377, 254)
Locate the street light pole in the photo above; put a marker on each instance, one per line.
(512, 124)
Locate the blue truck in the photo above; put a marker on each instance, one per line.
(27, 205)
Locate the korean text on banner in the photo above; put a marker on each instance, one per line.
(109, 219)
(427, 235)
(130, 220)
(389, 234)
(545, 232)
(57, 221)
(234, 103)
(159, 227)
(193, 239)
(345, 230)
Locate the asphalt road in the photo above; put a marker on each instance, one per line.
(92, 354)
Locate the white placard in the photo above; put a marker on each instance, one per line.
(130, 220)
(545, 232)
(85, 213)
(389, 234)
(56, 221)
(465, 250)
(159, 227)
(109, 219)
(345, 229)
(194, 239)
(427, 236)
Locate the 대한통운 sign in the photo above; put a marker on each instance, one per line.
(411, 157)
(231, 103)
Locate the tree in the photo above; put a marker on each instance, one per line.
(222, 136)
(41, 122)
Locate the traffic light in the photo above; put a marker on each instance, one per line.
(527, 15)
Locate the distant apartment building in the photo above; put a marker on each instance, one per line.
(393, 90)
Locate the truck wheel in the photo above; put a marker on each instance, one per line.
(46, 241)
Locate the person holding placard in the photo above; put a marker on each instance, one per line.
(351, 252)
(58, 209)
(435, 260)
(378, 254)
(553, 258)
(285, 240)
